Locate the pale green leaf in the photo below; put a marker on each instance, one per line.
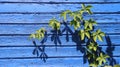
(102, 34)
(82, 35)
(83, 6)
(89, 11)
(91, 26)
(87, 34)
(88, 7)
(95, 38)
(100, 38)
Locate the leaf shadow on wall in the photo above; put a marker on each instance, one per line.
(55, 38)
(39, 50)
(109, 50)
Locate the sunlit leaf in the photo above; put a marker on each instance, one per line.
(100, 38)
(39, 34)
(102, 58)
(86, 8)
(54, 24)
(87, 34)
(95, 38)
(64, 14)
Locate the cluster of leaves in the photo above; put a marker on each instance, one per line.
(95, 56)
(39, 34)
(86, 32)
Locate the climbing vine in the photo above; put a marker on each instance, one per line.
(85, 30)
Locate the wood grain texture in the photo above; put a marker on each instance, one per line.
(52, 52)
(63, 0)
(20, 18)
(24, 40)
(38, 63)
(55, 7)
(28, 29)
(78, 62)
(44, 18)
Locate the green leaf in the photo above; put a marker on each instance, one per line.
(83, 6)
(86, 24)
(82, 35)
(100, 38)
(91, 26)
(102, 58)
(54, 24)
(95, 38)
(39, 34)
(93, 65)
(64, 14)
(32, 36)
(98, 31)
(92, 46)
(88, 7)
(87, 34)
(98, 34)
(89, 11)
(76, 24)
(102, 34)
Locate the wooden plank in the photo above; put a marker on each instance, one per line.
(13, 52)
(35, 18)
(62, 0)
(28, 29)
(78, 62)
(55, 7)
(24, 40)
(38, 63)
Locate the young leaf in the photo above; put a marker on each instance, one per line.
(92, 46)
(98, 35)
(86, 8)
(39, 34)
(100, 38)
(89, 24)
(76, 24)
(95, 38)
(93, 65)
(102, 58)
(87, 34)
(84, 33)
(54, 24)
(64, 14)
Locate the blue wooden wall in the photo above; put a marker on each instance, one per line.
(19, 18)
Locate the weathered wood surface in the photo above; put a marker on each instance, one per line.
(56, 7)
(44, 18)
(28, 29)
(20, 18)
(19, 52)
(62, 0)
(24, 40)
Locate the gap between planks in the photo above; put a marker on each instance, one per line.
(3, 2)
(54, 12)
(50, 57)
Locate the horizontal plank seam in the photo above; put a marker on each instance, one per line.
(46, 45)
(53, 57)
(48, 23)
(2, 2)
(54, 12)
(50, 34)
